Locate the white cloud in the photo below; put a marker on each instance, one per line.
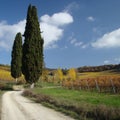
(51, 33)
(108, 40)
(117, 60)
(113, 61)
(78, 43)
(52, 46)
(72, 6)
(106, 62)
(52, 26)
(8, 32)
(85, 46)
(90, 18)
(73, 41)
(57, 19)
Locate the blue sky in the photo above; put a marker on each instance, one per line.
(76, 32)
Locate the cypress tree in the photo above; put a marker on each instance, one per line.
(32, 60)
(16, 61)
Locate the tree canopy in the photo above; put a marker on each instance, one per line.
(16, 62)
(32, 60)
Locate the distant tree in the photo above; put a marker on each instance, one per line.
(72, 74)
(16, 62)
(32, 60)
(65, 71)
(59, 75)
(45, 75)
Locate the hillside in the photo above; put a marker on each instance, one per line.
(99, 68)
(4, 67)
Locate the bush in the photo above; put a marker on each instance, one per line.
(5, 86)
(27, 93)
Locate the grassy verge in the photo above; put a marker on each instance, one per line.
(81, 97)
(79, 104)
(1, 93)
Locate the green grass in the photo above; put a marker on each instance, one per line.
(81, 105)
(44, 84)
(81, 97)
(1, 93)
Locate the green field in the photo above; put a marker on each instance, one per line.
(82, 105)
(81, 97)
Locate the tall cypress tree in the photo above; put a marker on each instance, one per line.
(16, 61)
(32, 60)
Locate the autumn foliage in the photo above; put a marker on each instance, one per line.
(101, 84)
(101, 81)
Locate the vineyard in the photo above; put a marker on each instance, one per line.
(105, 81)
(101, 84)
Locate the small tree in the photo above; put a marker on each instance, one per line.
(32, 60)
(59, 75)
(16, 62)
(72, 75)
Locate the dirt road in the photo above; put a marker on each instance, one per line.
(17, 107)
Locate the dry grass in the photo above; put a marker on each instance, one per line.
(98, 74)
(6, 75)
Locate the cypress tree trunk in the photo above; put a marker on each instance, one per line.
(32, 85)
(16, 80)
(32, 60)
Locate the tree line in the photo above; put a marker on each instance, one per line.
(99, 68)
(27, 57)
